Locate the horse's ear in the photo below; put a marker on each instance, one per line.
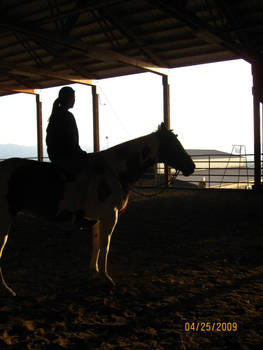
(162, 126)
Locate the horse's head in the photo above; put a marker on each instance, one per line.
(172, 152)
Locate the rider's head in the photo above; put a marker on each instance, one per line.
(66, 97)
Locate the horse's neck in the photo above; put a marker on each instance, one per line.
(130, 159)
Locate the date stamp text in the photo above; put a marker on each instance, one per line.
(211, 327)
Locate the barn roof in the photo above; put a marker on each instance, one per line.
(45, 43)
(201, 153)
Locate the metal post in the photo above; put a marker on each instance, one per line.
(96, 135)
(166, 119)
(39, 128)
(257, 136)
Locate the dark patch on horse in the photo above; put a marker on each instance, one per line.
(103, 190)
(148, 163)
(133, 170)
(36, 187)
(123, 150)
(145, 152)
(133, 166)
(98, 167)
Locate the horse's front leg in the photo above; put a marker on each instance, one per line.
(94, 268)
(101, 245)
(3, 240)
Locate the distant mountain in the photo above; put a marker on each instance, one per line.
(12, 150)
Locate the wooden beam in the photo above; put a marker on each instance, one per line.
(15, 89)
(31, 71)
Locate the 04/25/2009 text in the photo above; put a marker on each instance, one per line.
(210, 326)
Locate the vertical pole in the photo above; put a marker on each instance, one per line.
(39, 128)
(257, 148)
(166, 119)
(209, 171)
(166, 101)
(96, 135)
(257, 141)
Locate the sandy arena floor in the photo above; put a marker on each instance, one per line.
(189, 273)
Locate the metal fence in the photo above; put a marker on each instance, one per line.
(231, 172)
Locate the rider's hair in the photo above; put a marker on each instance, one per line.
(64, 94)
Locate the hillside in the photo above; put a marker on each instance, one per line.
(12, 150)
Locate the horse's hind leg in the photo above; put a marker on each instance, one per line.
(106, 229)
(3, 240)
(102, 232)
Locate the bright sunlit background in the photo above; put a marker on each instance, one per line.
(211, 108)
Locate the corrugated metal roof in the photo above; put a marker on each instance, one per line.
(44, 43)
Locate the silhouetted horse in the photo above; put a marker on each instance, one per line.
(97, 193)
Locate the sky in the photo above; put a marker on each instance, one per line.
(211, 108)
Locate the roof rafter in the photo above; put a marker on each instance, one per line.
(72, 19)
(124, 28)
(203, 30)
(32, 72)
(22, 80)
(17, 89)
(91, 51)
(106, 29)
(60, 57)
(228, 9)
(78, 10)
(28, 48)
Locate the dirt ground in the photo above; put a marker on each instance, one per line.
(188, 267)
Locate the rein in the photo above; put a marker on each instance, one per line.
(162, 190)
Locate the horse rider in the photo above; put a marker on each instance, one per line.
(62, 137)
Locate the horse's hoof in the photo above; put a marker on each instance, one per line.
(7, 292)
(102, 280)
(110, 281)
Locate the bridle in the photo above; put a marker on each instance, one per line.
(162, 190)
(176, 173)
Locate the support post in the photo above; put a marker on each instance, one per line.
(166, 120)
(39, 128)
(166, 101)
(257, 127)
(96, 135)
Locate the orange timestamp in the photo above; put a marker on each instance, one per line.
(210, 327)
